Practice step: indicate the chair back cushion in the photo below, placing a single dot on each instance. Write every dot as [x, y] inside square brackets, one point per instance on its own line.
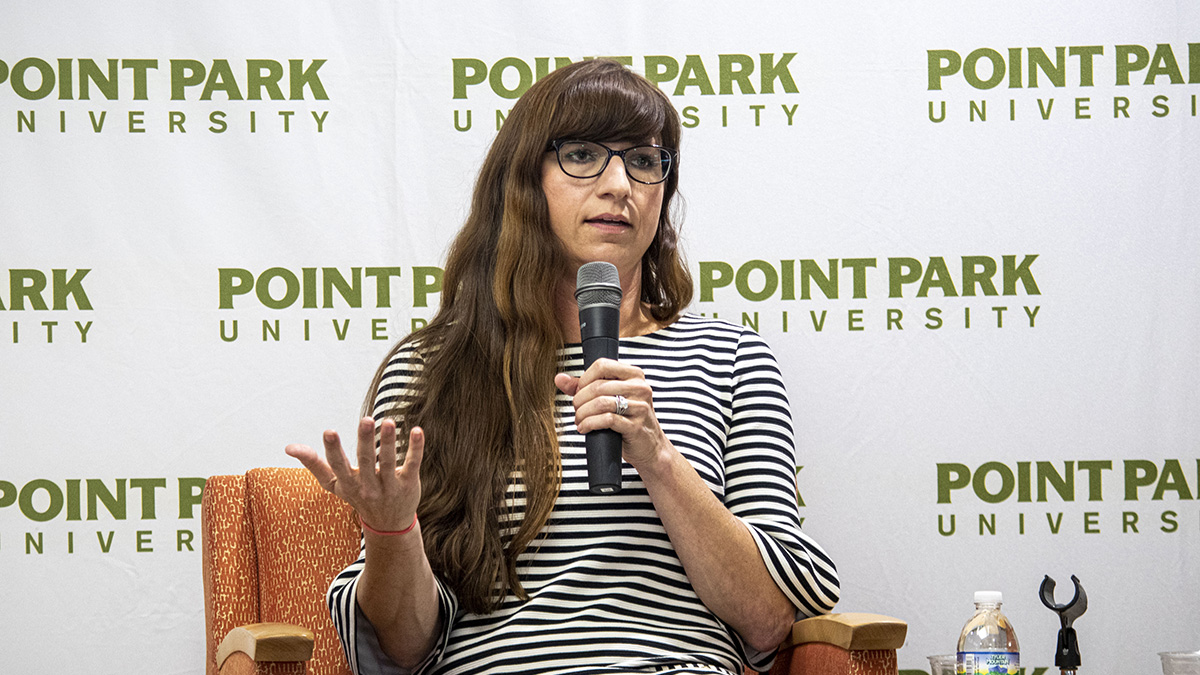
[229, 566]
[303, 536]
[273, 540]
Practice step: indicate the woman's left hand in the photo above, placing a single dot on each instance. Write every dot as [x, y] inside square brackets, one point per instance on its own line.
[730, 579]
[596, 400]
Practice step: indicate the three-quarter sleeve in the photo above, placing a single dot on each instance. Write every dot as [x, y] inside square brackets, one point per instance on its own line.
[360, 643]
[760, 484]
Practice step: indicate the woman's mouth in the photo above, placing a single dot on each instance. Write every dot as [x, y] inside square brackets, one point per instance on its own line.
[608, 221]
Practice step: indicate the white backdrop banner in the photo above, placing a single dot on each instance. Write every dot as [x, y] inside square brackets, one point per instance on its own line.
[968, 231]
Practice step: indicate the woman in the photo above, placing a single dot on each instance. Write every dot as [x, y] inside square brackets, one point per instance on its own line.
[698, 564]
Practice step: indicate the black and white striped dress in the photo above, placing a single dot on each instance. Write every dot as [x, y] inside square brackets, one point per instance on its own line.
[607, 594]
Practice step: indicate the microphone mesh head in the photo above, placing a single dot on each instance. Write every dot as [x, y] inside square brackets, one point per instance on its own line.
[597, 283]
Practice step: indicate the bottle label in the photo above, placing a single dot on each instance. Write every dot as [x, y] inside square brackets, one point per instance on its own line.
[988, 663]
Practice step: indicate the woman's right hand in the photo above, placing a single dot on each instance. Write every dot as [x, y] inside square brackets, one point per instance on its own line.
[384, 495]
[396, 591]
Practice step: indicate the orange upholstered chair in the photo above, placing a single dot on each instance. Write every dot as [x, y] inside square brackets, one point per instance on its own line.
[273, 541]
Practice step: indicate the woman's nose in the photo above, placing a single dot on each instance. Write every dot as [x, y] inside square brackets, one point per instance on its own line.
[614, 178]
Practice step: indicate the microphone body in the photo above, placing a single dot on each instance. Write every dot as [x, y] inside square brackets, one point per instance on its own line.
[598, 294]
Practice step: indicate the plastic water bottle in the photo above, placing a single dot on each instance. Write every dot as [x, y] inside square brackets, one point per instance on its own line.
[988, 644]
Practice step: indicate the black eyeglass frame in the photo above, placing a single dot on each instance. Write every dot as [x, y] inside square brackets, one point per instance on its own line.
[672, 155]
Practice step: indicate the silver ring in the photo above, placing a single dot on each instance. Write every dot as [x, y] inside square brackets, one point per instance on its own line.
[622, 405]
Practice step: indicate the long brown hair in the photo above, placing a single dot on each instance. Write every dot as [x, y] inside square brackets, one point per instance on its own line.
[485, 394]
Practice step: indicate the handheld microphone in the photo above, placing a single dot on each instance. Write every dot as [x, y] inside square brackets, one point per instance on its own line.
[598, 294]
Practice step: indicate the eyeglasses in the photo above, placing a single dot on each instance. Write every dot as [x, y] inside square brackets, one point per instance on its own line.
[648, 164]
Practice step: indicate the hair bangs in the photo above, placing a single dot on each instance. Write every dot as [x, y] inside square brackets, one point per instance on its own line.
[614, 106]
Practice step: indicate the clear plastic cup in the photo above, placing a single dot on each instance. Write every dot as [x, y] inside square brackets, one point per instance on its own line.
[1180, 663]
[942, 664]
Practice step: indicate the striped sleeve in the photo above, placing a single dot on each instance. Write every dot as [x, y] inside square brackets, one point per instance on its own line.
[760, 465]
[360, 642]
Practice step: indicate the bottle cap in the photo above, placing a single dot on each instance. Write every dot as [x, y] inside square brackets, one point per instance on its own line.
[990, 597]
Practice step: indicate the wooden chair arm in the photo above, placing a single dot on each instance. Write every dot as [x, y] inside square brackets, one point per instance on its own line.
[841, 644]
[852, 631]
[267, 642]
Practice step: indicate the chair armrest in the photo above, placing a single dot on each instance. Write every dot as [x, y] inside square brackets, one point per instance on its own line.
[851, 631]
[267, 642]
[841, 644]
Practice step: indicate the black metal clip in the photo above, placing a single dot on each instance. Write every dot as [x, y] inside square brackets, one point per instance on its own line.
[1067, 656]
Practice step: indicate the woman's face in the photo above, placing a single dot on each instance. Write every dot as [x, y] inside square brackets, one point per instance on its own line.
[609, 217]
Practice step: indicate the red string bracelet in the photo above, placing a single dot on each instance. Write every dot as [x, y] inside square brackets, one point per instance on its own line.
[387, 533]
